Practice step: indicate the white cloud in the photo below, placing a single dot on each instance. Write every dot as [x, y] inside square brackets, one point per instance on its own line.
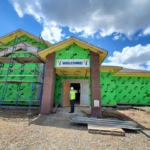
[17, 8]
[117, 37]
[131, 57]
[148, 64]
[52, 33]
[131, 66]
[88, 17]
[146, 31]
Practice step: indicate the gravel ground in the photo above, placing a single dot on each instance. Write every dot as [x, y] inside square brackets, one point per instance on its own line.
[21, 129]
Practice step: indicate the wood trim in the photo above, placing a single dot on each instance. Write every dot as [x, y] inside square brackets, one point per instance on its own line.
[16, 81]
[72, 40]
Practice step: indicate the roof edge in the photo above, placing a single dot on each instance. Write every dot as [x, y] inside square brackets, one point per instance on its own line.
[76, 39]
[6, 35]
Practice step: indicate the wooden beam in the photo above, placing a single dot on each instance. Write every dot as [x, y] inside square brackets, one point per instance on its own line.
[19, 61]
[16, 81]
[23, 59]
[20, 52]
[15, 46]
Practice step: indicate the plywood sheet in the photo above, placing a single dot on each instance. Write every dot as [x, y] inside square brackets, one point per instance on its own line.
[66, 91]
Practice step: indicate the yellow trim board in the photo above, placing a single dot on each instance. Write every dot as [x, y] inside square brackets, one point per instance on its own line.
[134, 74]
[72, 40]
[11, 36]
[111, 69]
[79, 71]
[73, 71]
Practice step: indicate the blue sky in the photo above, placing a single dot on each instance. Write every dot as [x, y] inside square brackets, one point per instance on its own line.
[120, 27]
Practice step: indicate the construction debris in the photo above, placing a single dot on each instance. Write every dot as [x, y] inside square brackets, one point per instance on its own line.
[106, 123]
[55, 108]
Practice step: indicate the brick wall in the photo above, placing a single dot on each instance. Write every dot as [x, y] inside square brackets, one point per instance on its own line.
[49, 85]
[95, 85]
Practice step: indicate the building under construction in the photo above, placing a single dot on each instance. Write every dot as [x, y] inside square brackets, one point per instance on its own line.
[35, 73]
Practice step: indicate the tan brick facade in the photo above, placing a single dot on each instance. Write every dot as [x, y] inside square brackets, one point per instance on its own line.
[95, 85]
[49, 85]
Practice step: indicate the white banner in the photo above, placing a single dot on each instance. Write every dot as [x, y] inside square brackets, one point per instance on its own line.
[73, 63]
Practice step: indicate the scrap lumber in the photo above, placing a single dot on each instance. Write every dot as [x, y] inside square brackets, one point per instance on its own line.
[105, 130]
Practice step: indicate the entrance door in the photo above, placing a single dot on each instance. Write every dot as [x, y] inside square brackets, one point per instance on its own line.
[84, 95]
[66, 91]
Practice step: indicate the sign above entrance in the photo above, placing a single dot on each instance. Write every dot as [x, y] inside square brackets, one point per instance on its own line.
[72, 63]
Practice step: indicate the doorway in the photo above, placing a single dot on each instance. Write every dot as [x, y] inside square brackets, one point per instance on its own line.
[76, 87]
[81, 86]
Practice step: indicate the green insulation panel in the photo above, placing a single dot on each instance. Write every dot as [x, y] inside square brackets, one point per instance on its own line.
[107, 89]
[25, 88]
[132, 90]
[58, 87]
[72, 52]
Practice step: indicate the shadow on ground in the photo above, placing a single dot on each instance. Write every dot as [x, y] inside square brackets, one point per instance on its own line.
[61, 119]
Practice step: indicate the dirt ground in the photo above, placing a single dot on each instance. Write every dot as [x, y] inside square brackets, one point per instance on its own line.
[23, 129]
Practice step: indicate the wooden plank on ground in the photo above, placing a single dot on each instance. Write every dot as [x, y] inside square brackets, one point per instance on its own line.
[105, 130]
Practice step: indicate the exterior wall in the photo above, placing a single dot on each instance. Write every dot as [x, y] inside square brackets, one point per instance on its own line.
[58, 87]
[72, 52]
[114, 90]
[108, 92]
[132, 90]
[124, 90]
[25, 88]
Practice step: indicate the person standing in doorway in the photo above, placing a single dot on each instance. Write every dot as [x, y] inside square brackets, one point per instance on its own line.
[72, 97]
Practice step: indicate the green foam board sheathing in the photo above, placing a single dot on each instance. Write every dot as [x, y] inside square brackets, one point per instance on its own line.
[108, 93]
[132, 90]
[72, 52]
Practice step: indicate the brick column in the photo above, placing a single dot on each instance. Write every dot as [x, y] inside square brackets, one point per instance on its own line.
[95, 85]
[49, 84]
